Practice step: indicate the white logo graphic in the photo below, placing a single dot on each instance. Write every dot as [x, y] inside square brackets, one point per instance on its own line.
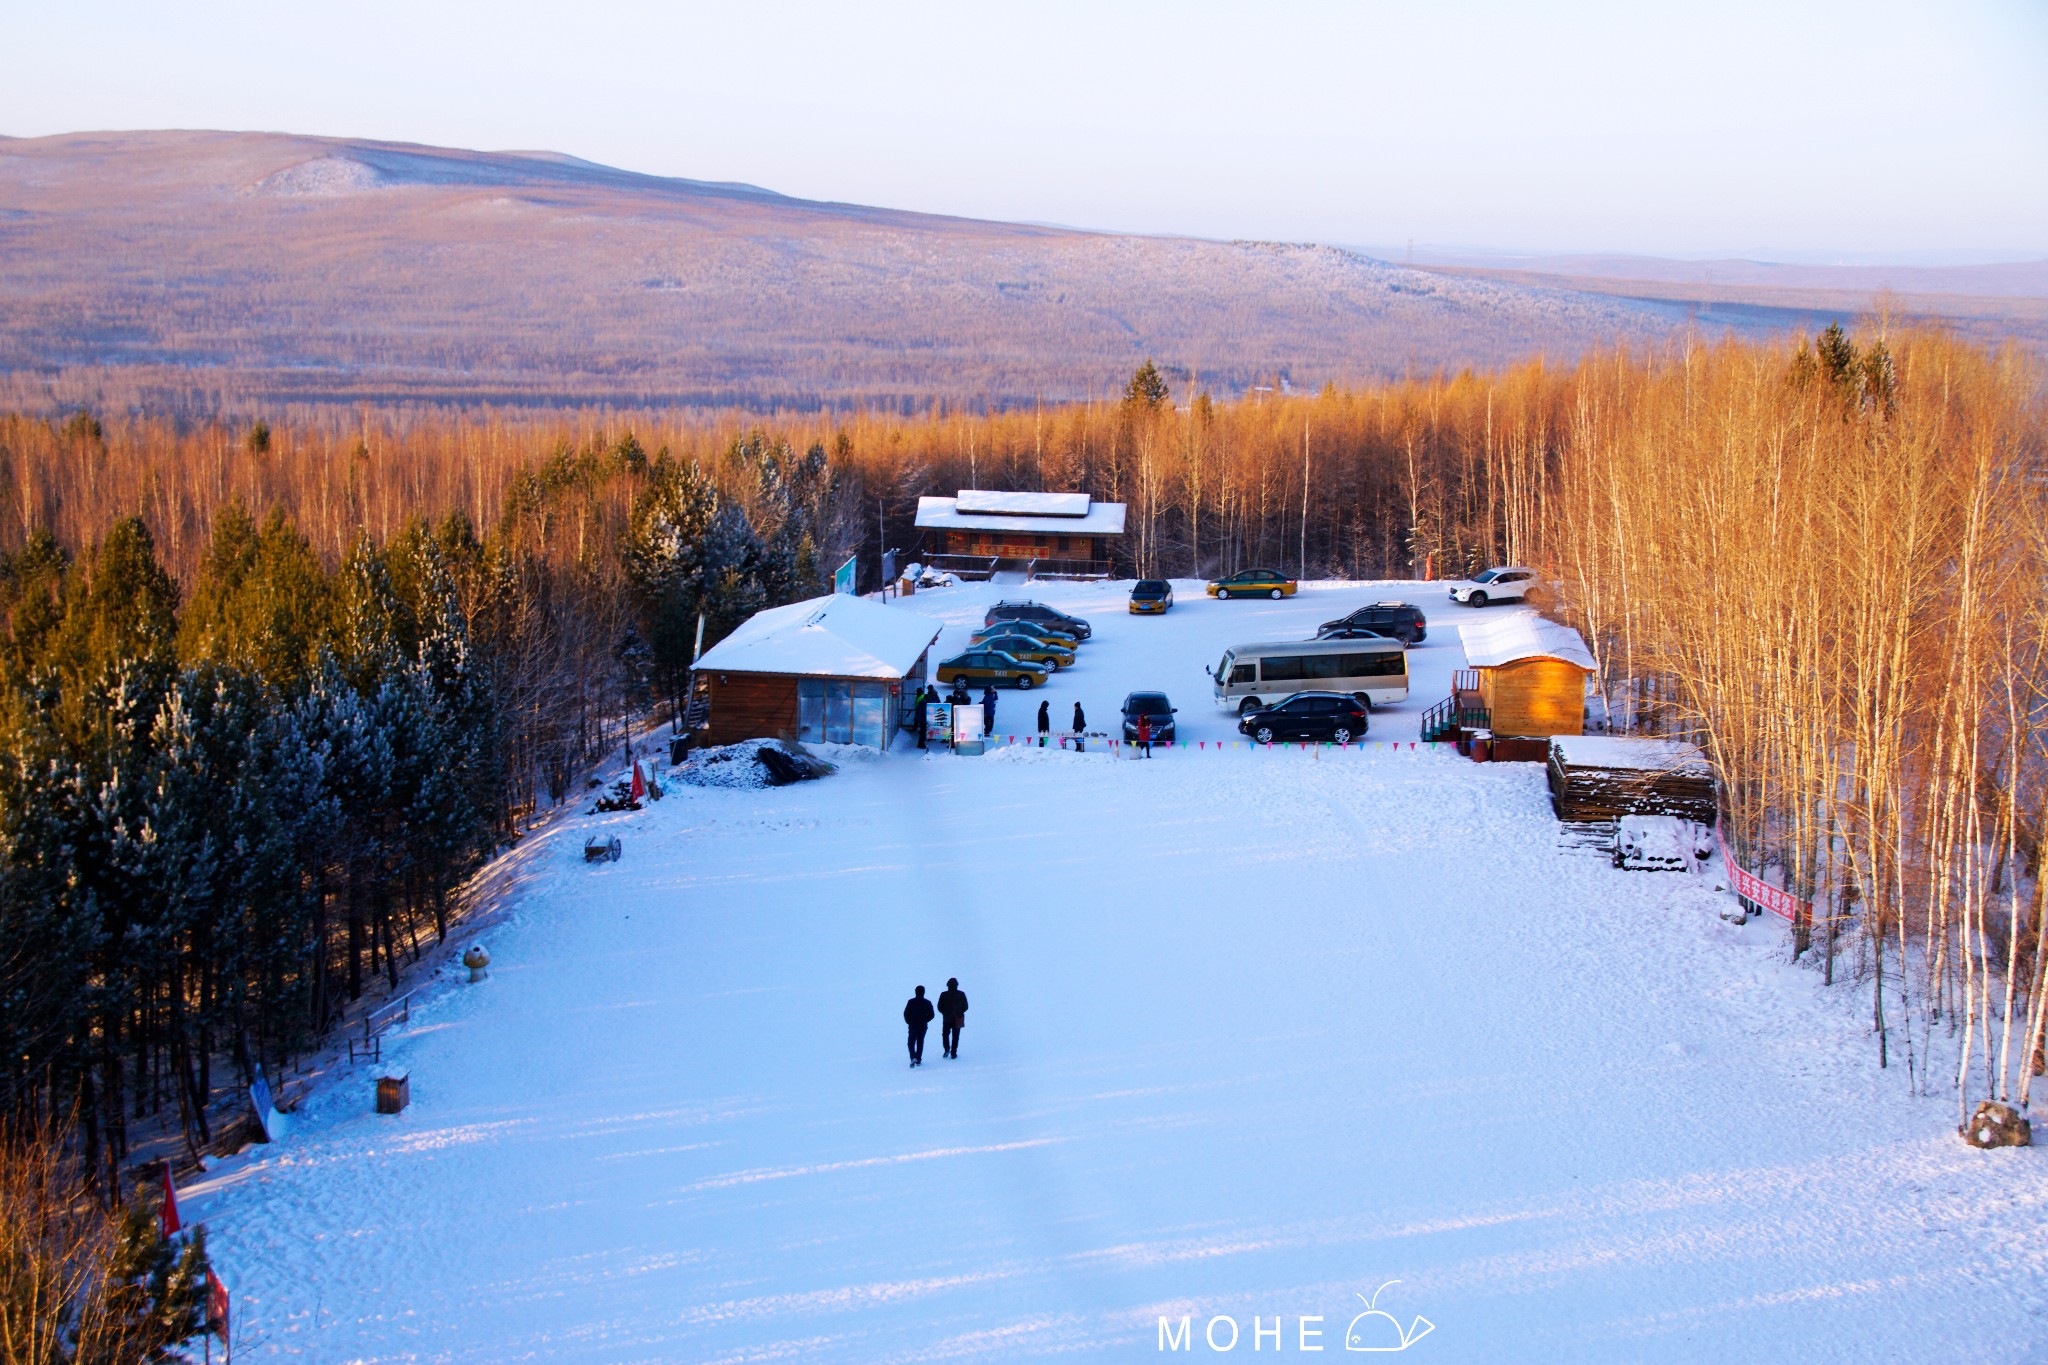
[1375, 1330]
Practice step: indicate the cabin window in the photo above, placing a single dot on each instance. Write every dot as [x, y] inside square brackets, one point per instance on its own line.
[839, 712]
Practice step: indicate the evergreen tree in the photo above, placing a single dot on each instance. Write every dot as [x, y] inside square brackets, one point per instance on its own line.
[1147, 388]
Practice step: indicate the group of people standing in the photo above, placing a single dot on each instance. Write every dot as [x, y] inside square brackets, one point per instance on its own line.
[960, 696]
[952, 1014]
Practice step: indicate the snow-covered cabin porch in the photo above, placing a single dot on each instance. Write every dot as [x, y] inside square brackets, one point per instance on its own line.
[838, 668]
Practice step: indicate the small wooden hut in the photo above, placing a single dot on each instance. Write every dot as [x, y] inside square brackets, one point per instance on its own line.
[1532, 675]
[841, 669]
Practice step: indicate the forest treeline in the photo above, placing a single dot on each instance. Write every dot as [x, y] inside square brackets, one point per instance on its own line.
[1821, 561]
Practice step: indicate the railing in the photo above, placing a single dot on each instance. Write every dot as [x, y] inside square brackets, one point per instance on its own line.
[1462, 710]
[375, 1022]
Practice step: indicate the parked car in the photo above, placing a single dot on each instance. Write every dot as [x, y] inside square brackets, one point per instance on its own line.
[1335, 716]
[1495, 585]
[1039, 613]
[1151, 597]
[1254, 583]
[992, 666]
[1155, 707]
[1066, 639]
[1054, 654]
[1396, 620]
[1359, 633]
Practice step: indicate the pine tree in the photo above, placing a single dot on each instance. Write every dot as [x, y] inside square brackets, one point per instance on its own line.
[1147, 388]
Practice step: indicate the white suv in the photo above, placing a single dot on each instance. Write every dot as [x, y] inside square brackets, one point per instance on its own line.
[1495, 585]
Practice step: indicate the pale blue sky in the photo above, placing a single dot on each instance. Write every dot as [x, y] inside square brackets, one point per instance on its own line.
[1853, 128]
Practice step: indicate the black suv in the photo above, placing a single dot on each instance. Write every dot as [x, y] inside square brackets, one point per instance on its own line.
[1395, 620]
[1153, 706]
[1336, 716]
[1038, 612]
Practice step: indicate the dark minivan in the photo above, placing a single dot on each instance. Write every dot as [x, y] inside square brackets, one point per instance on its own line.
[1394, 620]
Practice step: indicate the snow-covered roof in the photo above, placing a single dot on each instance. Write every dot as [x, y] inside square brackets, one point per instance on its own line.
[985, 500]
[1642, 755]
[840, 636]
[1095, 519]
[1524, 635]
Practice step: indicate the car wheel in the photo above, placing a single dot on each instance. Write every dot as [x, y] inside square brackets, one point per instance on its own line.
[1247, 706]
[1264, 734]
[1222, 594]
[1477, 599]
[1340, 735]
[1024, 681]
[1276, 594]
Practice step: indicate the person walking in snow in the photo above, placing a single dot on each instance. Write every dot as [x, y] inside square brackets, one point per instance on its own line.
[1044, 722]
[988, 709]
[1145, 733]
[952, 1014]
[917, 1012]
[1080, 720]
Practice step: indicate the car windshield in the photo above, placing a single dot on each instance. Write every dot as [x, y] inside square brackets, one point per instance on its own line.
[1147, 704]
[1149, 588]
[1223, 665]
[1487, 577]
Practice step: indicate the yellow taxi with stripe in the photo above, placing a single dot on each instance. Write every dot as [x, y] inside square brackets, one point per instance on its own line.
[1254, 583]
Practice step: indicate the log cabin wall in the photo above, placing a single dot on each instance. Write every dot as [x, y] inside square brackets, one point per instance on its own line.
[1535, 698]
[751, 706]
[1024, 545]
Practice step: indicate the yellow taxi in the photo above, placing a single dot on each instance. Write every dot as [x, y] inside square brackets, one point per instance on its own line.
[984, 665]
[1254, 583]
[1151, 597]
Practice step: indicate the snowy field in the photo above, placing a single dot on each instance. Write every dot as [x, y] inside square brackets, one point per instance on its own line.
[1252, 1033]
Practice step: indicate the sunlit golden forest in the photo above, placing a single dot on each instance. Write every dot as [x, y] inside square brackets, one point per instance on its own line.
[1822, 560]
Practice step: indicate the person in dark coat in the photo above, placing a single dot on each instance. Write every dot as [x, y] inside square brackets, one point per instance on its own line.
[952, 1014]
[988, 709]
[1080, 721]
[1044, 722]
[917, 1012]
[923, 698]
[960, 696]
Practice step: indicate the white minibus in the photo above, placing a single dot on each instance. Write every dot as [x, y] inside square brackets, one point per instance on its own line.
[1248, 674]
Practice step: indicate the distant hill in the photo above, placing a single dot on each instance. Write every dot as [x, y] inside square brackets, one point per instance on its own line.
[196, 268]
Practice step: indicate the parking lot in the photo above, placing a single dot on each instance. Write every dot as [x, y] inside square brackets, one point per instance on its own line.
[1169, 653]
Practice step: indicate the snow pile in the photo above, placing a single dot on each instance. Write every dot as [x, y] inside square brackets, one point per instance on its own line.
[734, 766]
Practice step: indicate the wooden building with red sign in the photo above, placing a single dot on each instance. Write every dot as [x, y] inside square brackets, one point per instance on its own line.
[1071, 530]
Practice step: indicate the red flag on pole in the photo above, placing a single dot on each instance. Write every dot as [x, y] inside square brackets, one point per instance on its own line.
[216, 1307]
[639, 782]
[167, 1217]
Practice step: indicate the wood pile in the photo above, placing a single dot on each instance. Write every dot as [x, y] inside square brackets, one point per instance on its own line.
[1601, 777]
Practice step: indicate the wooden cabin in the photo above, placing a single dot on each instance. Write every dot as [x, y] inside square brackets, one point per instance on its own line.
[1071, 529]
[1531, 675]
[841, 669]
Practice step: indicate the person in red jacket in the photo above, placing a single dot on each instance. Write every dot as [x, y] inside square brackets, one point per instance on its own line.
[917, 1012]
[952, 1014]
[1145, 733]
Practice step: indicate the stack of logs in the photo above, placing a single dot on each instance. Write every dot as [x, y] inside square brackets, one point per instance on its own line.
[1607, 778]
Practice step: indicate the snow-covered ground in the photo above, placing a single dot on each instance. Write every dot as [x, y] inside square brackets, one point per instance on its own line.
[1252, 1033]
